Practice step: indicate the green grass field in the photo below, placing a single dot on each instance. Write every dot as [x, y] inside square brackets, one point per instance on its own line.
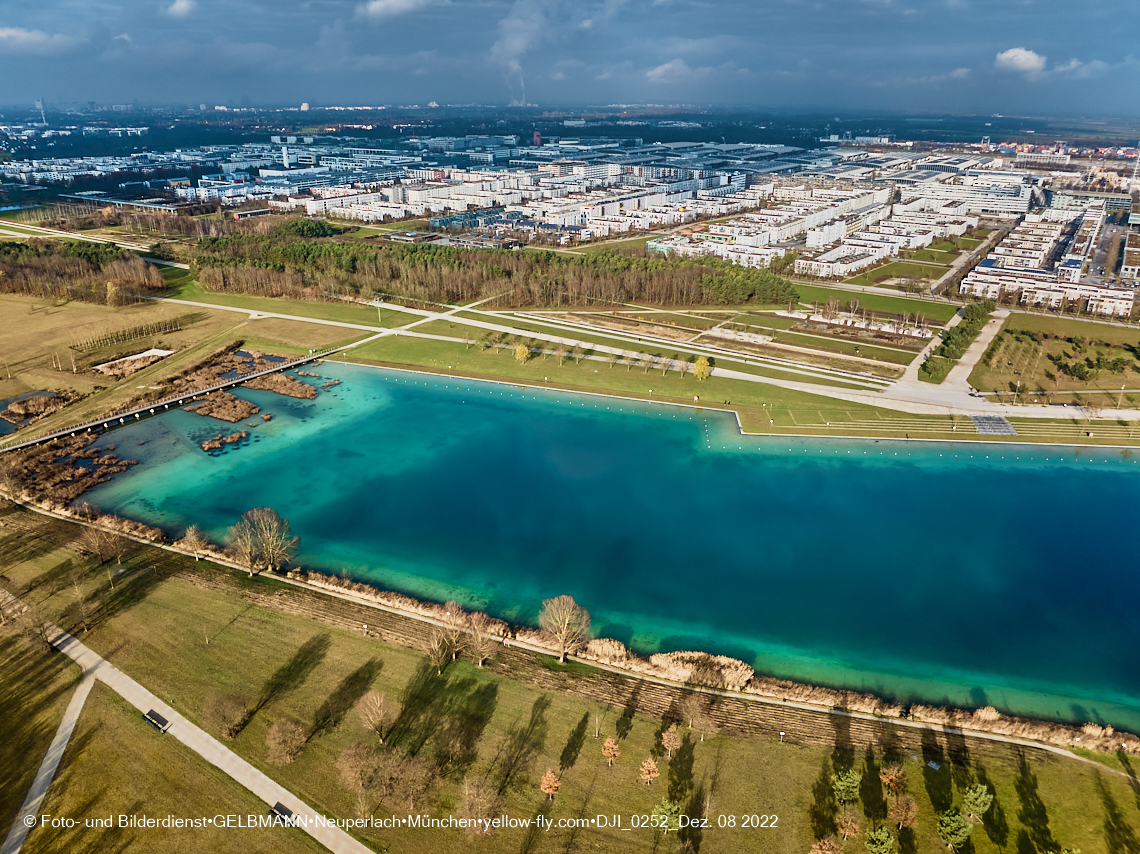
[307, 658]
[184, 289]
[1023, 368]
[614, 245]
[897, 269]
[932, 256]
[932, 309]
[35, 689]
[117, 764]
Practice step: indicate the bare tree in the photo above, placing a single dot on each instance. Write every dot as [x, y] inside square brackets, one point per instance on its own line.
[454, 627]
[482, 641]
[375, 713]
[284, 741]
[242, 542]
[694, 708]
[276, 542]
[358, 767]
[79, 600]
[194, 541]
[35, 628]
[224, 714]
[119, 546]
[599, 716]
[95, 542]
[848, 823]
[1092, 407]
[439, 651]
[903, 811]
[565, 622]
[894, 778]
[826, 846]
[477, 801]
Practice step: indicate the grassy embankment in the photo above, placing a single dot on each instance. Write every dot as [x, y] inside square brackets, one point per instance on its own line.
[117, 764]
[762, 408]
[305, 655]
[456, 329]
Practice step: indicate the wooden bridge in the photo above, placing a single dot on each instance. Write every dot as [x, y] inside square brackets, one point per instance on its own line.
[121, 417]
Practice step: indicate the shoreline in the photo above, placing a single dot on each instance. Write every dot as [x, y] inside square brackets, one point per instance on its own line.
[727, 409]
[1054, 736]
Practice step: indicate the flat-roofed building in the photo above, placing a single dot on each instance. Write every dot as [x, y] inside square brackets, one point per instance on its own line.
[1130, 266]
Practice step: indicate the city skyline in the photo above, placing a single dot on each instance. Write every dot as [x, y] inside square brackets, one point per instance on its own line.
[954, 56]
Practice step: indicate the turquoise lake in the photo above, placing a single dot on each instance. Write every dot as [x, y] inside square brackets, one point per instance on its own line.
[969, 574]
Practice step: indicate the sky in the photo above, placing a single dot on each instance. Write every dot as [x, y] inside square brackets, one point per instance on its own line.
[1025, 57]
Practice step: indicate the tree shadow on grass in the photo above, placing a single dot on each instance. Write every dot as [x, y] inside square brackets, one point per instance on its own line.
[843, 756]
[1118, 833]
[468, 713]
[1033, 815]
[691, 835]
[939, 782]
[907, 842]
[574, 744]
[48, 582]
[292, 674]
[823, 807]
[890, 744]
[534, 831]
[624, 725]
[994, 821]
[524, 741]
[1133, 782]
[344, 697]
[681, 770]
[958, 752]
[581, 815]
[871, 789]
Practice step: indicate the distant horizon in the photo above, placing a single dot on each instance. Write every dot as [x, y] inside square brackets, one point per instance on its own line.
[1048, 58]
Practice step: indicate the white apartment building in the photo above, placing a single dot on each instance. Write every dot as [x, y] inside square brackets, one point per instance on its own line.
[1130, 266]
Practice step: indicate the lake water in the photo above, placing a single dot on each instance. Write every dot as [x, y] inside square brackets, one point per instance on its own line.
[962, 573]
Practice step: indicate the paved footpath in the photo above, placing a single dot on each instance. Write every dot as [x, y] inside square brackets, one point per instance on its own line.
[209, 748]
[35, 799]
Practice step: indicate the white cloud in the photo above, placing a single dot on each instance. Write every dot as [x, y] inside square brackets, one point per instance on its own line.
[17, 40]
[1081, 70]
[123, 36]
[378, 9]
[959, 74]
[669, 72]
[1021, 60]
[181, 8]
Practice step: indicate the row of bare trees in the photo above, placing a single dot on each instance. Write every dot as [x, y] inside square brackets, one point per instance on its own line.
[50, 272]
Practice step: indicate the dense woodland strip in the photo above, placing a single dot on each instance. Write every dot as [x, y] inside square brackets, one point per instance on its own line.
[90, 272]
[291, 263]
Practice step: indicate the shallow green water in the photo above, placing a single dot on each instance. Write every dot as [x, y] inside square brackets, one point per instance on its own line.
[961, 573]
